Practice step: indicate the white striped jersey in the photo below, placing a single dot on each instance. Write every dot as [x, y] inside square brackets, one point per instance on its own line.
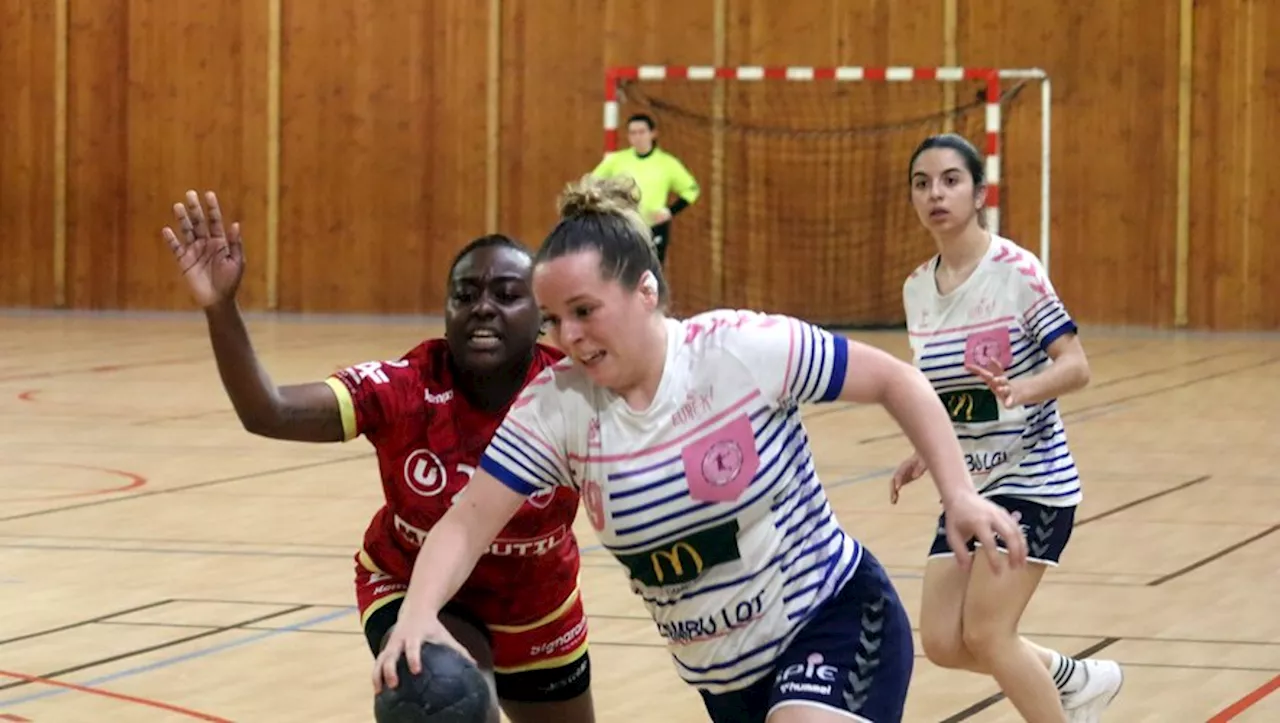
[709, 497]
[1006, 310]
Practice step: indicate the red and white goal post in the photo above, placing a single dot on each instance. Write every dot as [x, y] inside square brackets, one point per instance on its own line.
[615, 77]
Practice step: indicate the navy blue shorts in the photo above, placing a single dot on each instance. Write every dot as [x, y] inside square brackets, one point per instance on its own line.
[853, 657]
[1047, 530]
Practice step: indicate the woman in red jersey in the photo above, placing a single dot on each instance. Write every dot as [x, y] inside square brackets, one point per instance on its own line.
[430, 415]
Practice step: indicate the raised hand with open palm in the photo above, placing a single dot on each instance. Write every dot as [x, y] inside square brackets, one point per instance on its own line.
[210, 257]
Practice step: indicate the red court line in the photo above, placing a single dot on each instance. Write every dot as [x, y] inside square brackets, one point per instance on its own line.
[135, 481]
[100, 369]
[197, 715]
[1247, 702]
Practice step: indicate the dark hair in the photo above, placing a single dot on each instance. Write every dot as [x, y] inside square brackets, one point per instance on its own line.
[972, 159]
[644, 118]
[489, 241]
[598, 214]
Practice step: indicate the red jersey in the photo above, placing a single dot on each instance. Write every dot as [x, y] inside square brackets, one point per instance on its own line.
[429, 440]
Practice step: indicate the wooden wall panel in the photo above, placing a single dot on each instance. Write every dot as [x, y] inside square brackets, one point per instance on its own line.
[383, 148]
[639, 32]
[1234, 264]
[1114, 69]
[26, 153]
[158, 102]
[383, 151]
[552, 84]
[552, 104]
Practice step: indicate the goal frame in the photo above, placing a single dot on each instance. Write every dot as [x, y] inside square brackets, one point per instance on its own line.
[886, 74]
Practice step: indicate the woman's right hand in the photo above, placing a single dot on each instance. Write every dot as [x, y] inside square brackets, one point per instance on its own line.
[909, 471]
[211, 258]
[408, 636]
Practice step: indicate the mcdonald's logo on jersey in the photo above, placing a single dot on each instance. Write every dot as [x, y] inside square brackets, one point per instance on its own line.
[675, 559]
[684, 560]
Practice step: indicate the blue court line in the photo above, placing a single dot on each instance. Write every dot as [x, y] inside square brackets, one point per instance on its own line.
[174, 660]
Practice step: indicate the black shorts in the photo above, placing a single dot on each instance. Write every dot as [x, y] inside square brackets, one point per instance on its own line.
[543, 685]
[1047, 530]
[854, 657]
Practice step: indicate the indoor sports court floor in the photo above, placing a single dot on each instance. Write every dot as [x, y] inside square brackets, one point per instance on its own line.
[157, 563]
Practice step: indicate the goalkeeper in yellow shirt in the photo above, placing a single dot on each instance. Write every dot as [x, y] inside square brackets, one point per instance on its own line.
[658, 175]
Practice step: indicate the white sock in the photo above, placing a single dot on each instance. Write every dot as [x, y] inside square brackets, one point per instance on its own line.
[1068, 674]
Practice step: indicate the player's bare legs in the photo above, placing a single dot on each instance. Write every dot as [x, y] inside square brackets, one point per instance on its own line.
[969, 621]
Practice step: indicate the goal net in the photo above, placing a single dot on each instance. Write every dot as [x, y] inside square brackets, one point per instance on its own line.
[805, 205]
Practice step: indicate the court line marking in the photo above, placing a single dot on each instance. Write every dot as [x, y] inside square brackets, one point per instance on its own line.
[1080, 415]
[174, 541]
[183, 488]
[1033, 634]
[1213, 557]
[661, 646]
[135, 480]
[642, 619]
[1101, 384]
[158, 646]
[193, 655]
[257, 603]
[1247, 702]
[886, 471]
[1143, 500]
[994, 698]
[108, 694]
[82, 623]
[174, 551]
[148, 363]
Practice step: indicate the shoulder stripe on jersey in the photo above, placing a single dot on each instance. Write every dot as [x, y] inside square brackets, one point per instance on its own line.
[1034, 308]
[814, 354]
[516, 456]
[1067, 327]
[555, 456]
[670, 443]
[346, 408]
[505, 476]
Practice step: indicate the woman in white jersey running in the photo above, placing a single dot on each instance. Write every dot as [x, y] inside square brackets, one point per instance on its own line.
[685, 441]
[990, 333]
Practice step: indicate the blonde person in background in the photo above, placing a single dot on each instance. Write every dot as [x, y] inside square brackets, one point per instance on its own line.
[657, 173]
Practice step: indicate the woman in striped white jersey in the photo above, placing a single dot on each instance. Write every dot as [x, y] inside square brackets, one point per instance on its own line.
[685, 441]
[999, 348]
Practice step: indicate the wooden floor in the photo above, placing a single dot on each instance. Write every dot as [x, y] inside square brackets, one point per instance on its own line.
[157, 563]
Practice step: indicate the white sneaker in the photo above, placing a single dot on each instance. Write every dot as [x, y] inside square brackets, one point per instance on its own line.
[1103, 680]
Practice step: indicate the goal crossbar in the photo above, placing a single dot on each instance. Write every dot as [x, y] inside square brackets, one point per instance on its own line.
[888, 74]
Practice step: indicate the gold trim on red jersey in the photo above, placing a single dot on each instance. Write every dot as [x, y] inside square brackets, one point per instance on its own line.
[346, 406]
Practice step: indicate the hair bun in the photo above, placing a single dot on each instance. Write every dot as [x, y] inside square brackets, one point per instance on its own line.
[591, 195]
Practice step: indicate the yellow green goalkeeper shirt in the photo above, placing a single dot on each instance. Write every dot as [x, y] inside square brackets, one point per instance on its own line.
[657, 173]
